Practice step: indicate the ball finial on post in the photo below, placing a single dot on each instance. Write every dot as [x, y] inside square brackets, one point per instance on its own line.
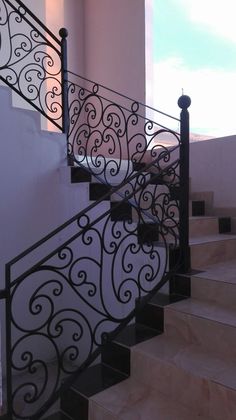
[63, 33]
[184, 102]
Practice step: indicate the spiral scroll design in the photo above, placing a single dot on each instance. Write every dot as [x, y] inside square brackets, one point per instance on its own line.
[63, 308]
[30, 61]
[109, 138]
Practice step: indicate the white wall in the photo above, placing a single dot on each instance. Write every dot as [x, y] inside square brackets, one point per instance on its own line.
[114, 36]
[70, 15]
[212, 168]
[34, 196]
[35, 189]
[149, 52]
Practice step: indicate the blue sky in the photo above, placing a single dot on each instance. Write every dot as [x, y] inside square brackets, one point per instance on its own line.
[195, 49]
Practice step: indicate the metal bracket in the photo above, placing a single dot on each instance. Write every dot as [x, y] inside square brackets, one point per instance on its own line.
[3, 293]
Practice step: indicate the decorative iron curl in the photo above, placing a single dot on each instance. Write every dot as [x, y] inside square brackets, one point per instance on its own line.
[30, 62]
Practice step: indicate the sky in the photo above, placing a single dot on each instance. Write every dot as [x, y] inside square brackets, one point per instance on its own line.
[195, 50]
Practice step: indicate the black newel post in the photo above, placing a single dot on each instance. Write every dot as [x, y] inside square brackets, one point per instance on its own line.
[184, 102]
[64, 82]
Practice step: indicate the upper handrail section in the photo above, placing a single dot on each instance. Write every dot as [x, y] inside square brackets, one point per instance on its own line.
[110, 133]
[31, 60]
[91, 86]
[36, 20]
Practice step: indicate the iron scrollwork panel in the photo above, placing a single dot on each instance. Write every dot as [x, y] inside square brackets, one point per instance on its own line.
[30, 61]
[109, 138]
[62, 310]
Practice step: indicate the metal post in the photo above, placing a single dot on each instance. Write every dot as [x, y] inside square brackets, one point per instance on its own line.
[8, 342]
[64, 82]
[185, 262]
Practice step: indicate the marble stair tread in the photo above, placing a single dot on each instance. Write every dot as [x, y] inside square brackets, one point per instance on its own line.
[174, 360]
[207, 310]
[220, 272]
[206, 324]
[216, 284]
[211, 238]
[206, 250]
[133, 400]
[203, 218]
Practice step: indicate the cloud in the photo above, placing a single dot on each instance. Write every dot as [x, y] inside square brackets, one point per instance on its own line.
[218, 17]
[213, 94]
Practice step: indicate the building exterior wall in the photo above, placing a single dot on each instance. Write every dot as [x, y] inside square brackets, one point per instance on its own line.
[115, 45]
[212, 168]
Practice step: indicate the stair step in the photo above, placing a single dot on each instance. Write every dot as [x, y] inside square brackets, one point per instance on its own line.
[58, 416]
[79, 175]
[211, 249]
[138, 166]
[209, 325]
[185, 373]
[136, 333]
[207, 197]
[75, 401]
[180, 284]
[148, 233]
[152, 315]
[197, 208]
[224, 224]
[205, 226]
[98, 190]
[216, 284]
[121, 211]
[131, 400]
[162, 299]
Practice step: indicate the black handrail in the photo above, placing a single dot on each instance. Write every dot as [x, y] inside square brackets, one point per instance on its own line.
[36, 19]
[121, 95]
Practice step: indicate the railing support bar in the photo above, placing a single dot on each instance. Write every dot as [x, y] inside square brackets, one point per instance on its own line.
[184, 102]
[64, 85]
[8, 355]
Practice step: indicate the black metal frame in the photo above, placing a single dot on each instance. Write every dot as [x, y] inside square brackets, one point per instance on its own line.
[145, 283]
[120, 130]
[107, 128]
[35, 65]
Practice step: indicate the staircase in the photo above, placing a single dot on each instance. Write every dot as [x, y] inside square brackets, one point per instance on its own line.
[98, 312]
[176, 362]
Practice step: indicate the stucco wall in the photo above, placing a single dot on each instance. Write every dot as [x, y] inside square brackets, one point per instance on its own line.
[36, 193]
[106, 41]
[212, 168]
[114, 38]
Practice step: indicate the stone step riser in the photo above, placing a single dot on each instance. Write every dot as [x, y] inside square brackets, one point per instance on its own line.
[203, 396]
[218, 292]
[197, 227]
[204, 254]
[211, 335]
[200, 227]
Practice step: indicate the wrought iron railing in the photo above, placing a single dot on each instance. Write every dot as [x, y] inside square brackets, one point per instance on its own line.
[61, 307]
[31, 59]
[79, 283]
[110, 133]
